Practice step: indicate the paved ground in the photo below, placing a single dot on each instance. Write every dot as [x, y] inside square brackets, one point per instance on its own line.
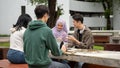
[4, 39]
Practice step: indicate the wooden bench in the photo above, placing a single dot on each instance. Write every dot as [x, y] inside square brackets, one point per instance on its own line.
[6, 64]
[112, 47]
[3, 52]
[4, 39]
[101, 40]
[87, 65]
[3, 49]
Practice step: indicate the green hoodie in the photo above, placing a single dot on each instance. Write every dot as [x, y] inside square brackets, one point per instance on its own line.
[38, 40]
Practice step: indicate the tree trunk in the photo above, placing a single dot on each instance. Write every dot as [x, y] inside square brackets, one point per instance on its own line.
[106, 6]
[52, 12]
[108, 17]
[108, 24]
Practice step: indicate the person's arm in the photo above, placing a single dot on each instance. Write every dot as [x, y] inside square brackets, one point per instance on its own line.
[72, 39]
[85, 43]
[52, 45]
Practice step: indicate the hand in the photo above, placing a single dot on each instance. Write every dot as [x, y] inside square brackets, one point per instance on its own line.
[71, 38]
[59, 39]
[64, 49]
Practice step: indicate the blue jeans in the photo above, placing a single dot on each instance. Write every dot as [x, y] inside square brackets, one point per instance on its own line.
[53, 64]
[16, 57]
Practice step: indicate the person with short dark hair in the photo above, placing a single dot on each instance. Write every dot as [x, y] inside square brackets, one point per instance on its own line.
[15, 53]
[83, 37]
[78, 17]
[39, 40]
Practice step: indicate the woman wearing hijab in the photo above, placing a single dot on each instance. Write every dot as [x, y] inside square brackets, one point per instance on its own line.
[60, 33]
[60, 30]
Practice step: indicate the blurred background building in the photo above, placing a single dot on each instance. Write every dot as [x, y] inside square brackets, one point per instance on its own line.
[93, 13]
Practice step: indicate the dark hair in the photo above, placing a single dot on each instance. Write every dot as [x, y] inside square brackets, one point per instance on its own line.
[40, 10]
[22, 21]
[78, 17]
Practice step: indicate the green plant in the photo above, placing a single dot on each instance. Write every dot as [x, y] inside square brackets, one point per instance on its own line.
[60, 10]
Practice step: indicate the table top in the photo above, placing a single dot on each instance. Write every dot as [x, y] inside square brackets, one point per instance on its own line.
[106, 58]
[95, 53]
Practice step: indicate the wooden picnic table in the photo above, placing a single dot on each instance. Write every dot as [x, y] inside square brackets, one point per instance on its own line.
[105, 58]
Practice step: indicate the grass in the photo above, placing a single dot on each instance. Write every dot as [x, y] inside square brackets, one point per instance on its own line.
[96, 47]
[5, 44]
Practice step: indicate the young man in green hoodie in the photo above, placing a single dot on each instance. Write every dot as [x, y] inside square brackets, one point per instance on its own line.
[38, 40]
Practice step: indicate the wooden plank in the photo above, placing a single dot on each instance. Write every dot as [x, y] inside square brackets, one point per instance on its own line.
[87, 65]
[105, 58]
[3, 52]
[6, 64]
[101, 39]
[4, 39]
[112, 47]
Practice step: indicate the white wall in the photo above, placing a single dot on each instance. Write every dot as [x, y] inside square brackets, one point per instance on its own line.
[92, 22]
[86, 6]
[116, 15]
[95, 21]
[10, 11]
